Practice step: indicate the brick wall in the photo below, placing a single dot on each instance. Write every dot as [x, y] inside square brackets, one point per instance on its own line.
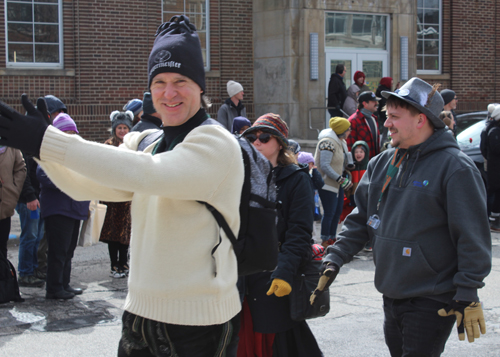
[236, 48]
[106, 49]
[470, 54]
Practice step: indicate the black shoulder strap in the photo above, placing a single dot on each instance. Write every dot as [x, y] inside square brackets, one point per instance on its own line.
[149, 139]
[221, 222]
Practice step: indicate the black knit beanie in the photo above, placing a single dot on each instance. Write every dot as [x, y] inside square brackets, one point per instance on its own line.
[147, 104]
[177, 49]
[448, 95]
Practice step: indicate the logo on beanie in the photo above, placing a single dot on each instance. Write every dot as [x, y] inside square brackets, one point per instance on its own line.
[162, 60]
[162, 56]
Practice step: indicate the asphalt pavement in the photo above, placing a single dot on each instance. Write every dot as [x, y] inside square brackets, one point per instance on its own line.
[90, 324]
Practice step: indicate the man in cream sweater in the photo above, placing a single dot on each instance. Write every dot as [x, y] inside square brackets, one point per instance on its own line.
[180, 300]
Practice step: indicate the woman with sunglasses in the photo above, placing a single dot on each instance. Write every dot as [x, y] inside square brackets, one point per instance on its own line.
[267, 304]
[331, 159]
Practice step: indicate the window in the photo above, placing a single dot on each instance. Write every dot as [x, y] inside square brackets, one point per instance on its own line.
[197, 11]
[429, 36]
[356, 31]
[34, 33]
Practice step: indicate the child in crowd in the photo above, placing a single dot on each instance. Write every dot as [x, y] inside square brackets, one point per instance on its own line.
[316, 181]
[240, 124]
[361, 156]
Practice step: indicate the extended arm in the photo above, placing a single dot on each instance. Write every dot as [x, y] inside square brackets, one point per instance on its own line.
[473, 238]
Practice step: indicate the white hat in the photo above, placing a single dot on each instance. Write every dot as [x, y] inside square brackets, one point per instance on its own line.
[491, 107]
[233, 88]
[495, 115]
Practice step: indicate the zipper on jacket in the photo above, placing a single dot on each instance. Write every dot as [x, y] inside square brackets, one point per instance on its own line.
[403, 173]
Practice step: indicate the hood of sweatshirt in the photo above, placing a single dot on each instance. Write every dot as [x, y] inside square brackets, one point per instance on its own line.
[351, 92]
[360, 143]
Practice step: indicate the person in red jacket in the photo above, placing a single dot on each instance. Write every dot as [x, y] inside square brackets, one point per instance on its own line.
[364, 124]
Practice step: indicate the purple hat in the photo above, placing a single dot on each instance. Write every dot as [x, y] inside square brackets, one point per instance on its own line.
[240, 122]
[64, 122]
[305, 157]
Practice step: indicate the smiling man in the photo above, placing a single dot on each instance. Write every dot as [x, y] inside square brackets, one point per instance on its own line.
[431, 246]
[183, 271]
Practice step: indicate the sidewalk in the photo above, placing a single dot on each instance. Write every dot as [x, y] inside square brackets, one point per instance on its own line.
[90, 324]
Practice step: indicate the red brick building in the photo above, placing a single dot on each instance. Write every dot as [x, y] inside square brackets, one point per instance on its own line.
[93, 53]
[104, 47]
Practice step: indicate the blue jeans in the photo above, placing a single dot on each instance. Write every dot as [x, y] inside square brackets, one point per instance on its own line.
[142, 337]
[332, 209]
[412, 327]
[31, 233]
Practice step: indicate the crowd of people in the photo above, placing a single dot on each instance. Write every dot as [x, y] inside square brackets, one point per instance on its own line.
[396, 198]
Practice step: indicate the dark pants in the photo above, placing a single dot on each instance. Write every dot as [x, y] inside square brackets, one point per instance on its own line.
[43, 247]
[62, 236]
[4, 235]
[336, 113]
[332, 209]
[495, 205]
[143, 337]
[412, 327]
[117, 253]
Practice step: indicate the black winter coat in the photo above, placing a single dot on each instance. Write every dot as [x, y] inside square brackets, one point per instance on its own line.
[31, 186]
[271, 314]
[382, 115]
[337, 92]
[493, 156]
[147, 122]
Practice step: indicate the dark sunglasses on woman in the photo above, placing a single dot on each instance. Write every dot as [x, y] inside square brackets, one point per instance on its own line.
[263, 137]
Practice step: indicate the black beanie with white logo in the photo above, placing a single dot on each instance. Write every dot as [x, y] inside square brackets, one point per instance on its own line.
[177, 49]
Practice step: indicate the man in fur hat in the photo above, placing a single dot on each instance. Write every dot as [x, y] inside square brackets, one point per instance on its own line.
[431, 246]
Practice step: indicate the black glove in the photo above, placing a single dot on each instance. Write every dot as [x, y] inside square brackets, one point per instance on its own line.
[469, 315]
[330, 271]
[24, 132]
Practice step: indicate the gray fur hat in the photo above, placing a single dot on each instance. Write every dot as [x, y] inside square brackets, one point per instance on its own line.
[118, 118]
[422, 96]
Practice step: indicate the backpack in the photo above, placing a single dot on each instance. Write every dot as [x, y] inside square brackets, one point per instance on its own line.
[256, 245]
[9, 289]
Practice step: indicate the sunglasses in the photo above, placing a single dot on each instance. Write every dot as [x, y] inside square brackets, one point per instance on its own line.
[263, 138]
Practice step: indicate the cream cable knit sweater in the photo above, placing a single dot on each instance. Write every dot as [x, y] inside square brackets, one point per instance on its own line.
[173, 276]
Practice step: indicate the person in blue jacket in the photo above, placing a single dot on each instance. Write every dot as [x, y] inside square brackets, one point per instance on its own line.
[62, 216]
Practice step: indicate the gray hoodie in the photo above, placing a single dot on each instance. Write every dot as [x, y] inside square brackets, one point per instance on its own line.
[434, 239]
[351, 102]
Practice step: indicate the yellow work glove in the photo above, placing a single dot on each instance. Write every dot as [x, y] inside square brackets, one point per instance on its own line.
[330, 271]
[279, 288]
[470, 315]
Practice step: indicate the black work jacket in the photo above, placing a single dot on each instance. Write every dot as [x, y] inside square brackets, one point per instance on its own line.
[271, 314]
